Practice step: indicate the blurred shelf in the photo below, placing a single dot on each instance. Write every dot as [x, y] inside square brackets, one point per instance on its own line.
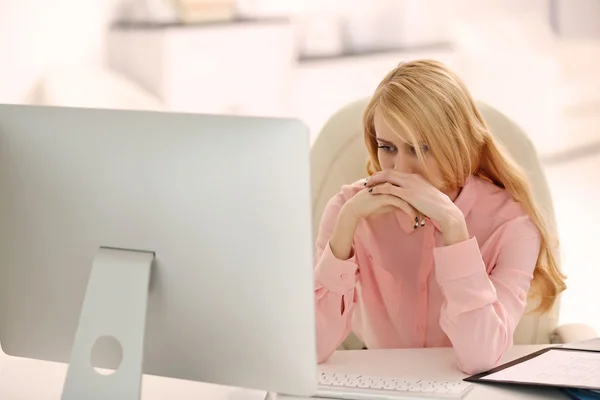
[353, 55]
[252, 68]
[236, 22]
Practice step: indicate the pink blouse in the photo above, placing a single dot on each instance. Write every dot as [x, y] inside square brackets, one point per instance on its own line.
[403, 288]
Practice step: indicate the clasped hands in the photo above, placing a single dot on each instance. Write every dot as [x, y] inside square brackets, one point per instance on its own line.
[415, 195]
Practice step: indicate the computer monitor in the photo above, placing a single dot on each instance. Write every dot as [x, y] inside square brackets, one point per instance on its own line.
[188, 236]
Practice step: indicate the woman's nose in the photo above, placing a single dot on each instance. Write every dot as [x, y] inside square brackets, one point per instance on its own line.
[402, 164]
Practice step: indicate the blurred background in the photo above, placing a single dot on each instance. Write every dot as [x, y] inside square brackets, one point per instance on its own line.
[536, 60]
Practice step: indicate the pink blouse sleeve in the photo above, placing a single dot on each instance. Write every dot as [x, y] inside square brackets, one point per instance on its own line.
[481, 310]
[335, 282]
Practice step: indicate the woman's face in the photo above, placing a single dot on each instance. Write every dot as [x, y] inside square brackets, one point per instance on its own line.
[395, 152]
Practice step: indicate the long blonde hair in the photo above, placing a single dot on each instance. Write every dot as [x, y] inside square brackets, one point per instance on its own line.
[434, 107]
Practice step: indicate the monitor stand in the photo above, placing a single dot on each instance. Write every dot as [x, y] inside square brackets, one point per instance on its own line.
[115, 306]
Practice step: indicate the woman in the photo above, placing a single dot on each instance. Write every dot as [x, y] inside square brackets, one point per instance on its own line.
[440, 245]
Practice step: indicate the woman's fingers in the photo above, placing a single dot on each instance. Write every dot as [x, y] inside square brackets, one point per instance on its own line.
[390, 176]
[401, 204]
[399, 193]
[420, 220]
[388, 188]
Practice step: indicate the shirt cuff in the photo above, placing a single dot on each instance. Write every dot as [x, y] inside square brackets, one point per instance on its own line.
[336, 275]
[463, 278]
[458, 260]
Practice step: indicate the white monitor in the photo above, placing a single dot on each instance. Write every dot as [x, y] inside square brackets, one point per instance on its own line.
[185, 237]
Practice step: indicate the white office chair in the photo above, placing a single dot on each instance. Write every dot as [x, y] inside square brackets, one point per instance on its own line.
[339, 157]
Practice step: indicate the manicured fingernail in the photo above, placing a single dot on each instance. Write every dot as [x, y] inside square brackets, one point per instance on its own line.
[416, 220]
[416, 226]
[423, 223]
[371, 190]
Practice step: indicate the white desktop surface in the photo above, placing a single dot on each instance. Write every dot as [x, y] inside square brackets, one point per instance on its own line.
[23, 379]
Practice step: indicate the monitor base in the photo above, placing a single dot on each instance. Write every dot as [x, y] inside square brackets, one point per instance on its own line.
[114, 306]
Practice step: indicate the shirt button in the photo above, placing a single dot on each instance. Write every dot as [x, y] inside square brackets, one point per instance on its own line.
[345, 277]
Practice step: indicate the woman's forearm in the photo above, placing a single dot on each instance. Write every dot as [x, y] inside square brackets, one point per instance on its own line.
[343, 235]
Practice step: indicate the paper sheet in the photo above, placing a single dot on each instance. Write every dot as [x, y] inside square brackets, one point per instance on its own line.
[555, 367]
[591, 344]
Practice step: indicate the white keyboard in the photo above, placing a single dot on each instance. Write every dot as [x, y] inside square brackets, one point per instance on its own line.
[360, 387]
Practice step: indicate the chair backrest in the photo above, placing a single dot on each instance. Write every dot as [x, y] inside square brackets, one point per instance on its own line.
[339, 156]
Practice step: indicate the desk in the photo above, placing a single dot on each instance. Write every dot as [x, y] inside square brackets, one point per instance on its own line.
[22, 379]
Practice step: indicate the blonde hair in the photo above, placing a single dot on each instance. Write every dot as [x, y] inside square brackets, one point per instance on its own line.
[434, 108]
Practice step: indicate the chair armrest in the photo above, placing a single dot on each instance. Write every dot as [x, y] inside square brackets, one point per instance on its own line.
[569, 333]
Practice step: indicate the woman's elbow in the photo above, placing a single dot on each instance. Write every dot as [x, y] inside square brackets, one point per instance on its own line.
[323, 355]
[325, 346]
[477, 364]
[476, 368]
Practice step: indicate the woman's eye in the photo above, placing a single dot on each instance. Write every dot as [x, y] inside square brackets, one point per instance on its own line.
[413, 151]
[386, 148]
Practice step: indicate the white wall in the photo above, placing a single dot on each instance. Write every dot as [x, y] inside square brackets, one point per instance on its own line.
[578, 19]
[40, 35]
[488, 8]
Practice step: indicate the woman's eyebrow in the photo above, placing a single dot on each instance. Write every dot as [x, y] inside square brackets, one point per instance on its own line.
[385, 141]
